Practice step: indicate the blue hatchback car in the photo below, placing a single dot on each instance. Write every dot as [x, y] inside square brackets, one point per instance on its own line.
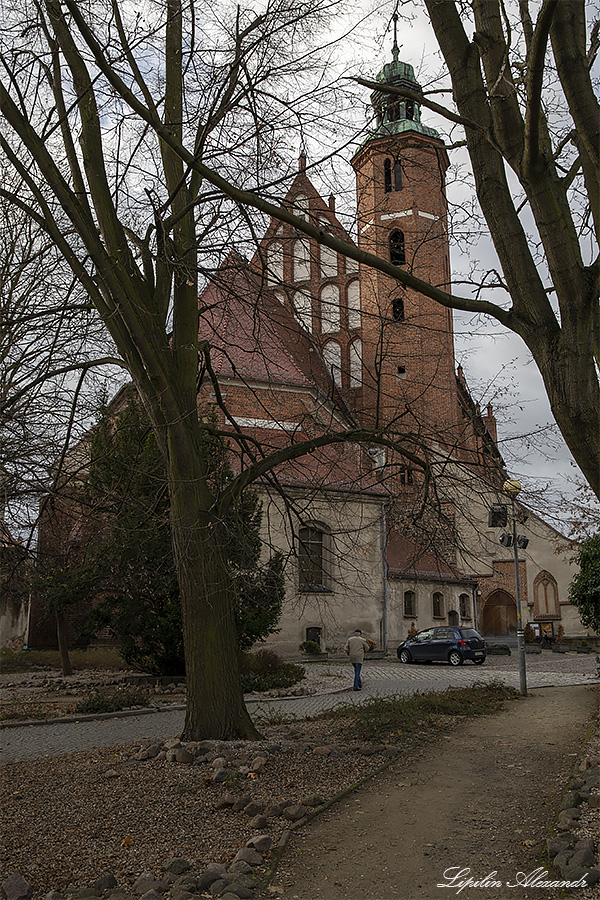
[445, 643]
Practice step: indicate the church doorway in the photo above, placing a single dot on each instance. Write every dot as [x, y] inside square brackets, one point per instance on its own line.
[453, 617]
[499, 615]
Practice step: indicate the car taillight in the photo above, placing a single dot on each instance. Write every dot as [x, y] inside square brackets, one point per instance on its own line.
[462, 643]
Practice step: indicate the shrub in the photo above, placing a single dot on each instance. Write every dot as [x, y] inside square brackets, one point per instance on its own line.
[263, 662]
[310, 647]
[287, 675]
[105, 702]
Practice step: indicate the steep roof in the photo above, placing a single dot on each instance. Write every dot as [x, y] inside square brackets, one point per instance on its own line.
[407, 559]
[255, 337]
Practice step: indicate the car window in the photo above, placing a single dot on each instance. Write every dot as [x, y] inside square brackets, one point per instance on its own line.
[444, 634]
[469, 633]
[424, 636]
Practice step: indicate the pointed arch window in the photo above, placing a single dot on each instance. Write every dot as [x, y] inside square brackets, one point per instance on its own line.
[397, 251]
[332, 354]
[545, 597]
[354, 304]
[330, 308]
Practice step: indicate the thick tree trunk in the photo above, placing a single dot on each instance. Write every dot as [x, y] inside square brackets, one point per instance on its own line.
[61, 637]
[215, 701]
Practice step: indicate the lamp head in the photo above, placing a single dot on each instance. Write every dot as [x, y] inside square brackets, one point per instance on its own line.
[512, 487]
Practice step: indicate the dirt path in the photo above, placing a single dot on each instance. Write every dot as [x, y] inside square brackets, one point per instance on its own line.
[483, 798]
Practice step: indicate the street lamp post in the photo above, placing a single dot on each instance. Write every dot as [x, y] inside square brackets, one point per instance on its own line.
[512, 487]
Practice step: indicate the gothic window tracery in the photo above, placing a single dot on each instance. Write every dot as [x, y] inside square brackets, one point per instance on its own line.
[545, 597]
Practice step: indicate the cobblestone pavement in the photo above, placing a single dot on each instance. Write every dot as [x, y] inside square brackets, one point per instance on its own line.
[332, 680]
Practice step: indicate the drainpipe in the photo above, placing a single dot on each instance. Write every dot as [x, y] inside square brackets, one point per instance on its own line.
[475, 607]
[384, 618]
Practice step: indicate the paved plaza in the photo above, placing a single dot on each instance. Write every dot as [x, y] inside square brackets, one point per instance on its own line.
[331, 683]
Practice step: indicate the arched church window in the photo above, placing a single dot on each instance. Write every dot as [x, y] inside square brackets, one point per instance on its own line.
[438, 605]
[354, 304]
[330, 308]
[398, 309]
[275, 263]
[464, 604]
[397, 252]
[545, 597]
[356, 364]
[301, 257]
[410, 604]
[387, 176]
[303, 309]
[328, 262]
[314, 557]
[301, 207]
[332, 354]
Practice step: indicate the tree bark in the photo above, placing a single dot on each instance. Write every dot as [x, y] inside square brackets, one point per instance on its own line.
[61, 637]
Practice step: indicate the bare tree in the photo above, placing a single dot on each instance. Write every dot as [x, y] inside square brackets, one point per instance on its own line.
[156, 148]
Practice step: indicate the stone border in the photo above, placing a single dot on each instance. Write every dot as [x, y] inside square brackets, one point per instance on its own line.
[265, 879]
[573, 858]
[90, 717]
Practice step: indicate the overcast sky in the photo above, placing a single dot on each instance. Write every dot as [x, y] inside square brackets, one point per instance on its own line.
[498, 366]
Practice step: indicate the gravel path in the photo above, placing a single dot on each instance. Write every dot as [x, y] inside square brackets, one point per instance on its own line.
[70, 816]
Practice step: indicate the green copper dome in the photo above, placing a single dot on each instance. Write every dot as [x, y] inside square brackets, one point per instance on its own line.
[395, 114]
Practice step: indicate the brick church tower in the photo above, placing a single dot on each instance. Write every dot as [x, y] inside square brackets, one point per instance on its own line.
[408, 350]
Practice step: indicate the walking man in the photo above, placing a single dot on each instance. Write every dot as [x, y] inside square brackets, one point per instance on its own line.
[355, 648]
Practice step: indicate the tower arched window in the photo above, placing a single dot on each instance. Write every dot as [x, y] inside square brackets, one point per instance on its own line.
[397, 251]
[354, 304]
[410, 109]
[387, 176]
[330, 308]
[397, 176]
[398, 309]
[332, 354]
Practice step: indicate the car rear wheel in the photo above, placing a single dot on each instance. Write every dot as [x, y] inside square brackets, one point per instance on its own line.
[405, 656]
[454, 658]
[479, 662]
